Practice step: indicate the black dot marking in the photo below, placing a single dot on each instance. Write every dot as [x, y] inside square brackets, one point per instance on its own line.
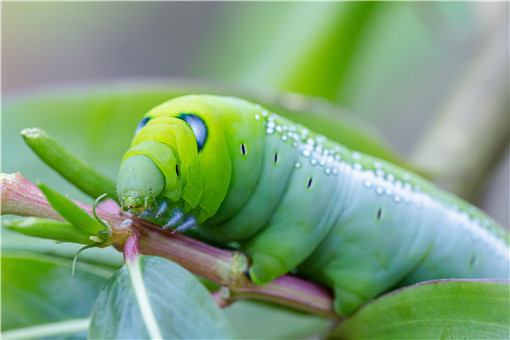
[309, 183]
[177, 169]
[276, 157]
[379, 214]
[247, 274]
[472, 261]
[243, 149]
[198, 126]
[142, 123]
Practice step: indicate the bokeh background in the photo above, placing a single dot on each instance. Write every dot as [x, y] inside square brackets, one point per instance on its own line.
[397, 65]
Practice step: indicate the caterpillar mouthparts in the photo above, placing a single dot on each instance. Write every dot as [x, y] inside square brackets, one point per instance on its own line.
[158, 212]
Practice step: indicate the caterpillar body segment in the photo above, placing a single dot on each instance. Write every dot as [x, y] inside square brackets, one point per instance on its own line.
[294, 199]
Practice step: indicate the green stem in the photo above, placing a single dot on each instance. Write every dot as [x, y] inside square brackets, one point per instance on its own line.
[73, 169]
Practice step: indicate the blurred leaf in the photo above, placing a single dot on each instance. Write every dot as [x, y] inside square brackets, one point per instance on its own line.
[156, 298]
[252, 319]
[39, 289]
[302, 47]
[446, 309]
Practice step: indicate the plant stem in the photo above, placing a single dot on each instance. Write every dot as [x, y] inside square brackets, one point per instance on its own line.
[224, 267]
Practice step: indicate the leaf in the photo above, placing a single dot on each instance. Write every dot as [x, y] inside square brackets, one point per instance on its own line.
[39, 289]
[82, 175]
[442, 309]
[154, 297]
[71, 212]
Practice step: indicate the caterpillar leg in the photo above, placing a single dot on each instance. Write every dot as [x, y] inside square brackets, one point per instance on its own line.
[175, 217]
[189, 222]
[162, 208]
[293, 233]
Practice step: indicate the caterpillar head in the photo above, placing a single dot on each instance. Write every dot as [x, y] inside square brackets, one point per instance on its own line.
[179, 160]
[157, 172]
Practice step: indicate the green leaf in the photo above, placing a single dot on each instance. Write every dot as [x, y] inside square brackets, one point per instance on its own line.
[39, 289]
[72, 168]
[442, 309]
[153, 298]
[49, 229]
[320, 42]
[71, 212]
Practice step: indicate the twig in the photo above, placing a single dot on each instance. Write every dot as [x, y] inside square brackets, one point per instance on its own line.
[224, 267]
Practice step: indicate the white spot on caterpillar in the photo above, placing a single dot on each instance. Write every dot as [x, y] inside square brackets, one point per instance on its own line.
[257, 116]
[335, 171]
[357, 167]
[390, 177]
[377, 165]
[398, 184]
[279, 129]
[418, 204]
[396, 199]
[264, 113]
[271, 124]
[379, 191]
[367, 184]
[284, 138]
[297, 165]
[306, 152]
[269, 131]
[379, 173]
[313, 161]
[356, 155]
[327, 171]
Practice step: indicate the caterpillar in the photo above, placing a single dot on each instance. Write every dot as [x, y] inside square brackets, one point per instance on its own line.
[295, 200]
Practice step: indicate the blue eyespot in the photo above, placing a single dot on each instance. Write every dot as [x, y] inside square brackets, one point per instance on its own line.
[198, 126]
[142, 124]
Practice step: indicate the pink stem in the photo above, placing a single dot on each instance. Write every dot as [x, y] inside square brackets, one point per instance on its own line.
[224, 267]
[131, 248]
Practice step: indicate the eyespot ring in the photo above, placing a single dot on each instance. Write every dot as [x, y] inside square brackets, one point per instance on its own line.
[142, 123]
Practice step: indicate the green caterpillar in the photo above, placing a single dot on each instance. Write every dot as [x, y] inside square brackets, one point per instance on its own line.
[296, 200]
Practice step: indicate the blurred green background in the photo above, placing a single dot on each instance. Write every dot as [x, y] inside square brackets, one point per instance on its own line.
[397, 65]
